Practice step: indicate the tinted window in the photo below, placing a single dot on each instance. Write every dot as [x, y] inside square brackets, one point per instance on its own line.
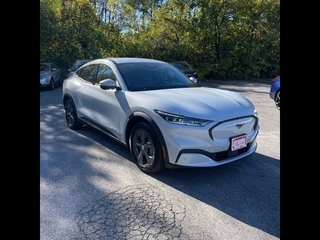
[79, 63]
[151, 76]
[105, 72]
[44, 67]
[88, 73]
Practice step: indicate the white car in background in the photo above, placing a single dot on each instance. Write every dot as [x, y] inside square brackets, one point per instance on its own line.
[165, 119]
[50, 76]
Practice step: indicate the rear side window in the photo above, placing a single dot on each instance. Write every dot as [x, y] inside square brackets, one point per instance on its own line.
[88, 73]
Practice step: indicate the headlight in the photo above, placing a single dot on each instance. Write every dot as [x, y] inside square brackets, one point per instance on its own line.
[182, 120]
[44, 78]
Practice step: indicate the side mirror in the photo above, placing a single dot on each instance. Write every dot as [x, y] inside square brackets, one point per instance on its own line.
[193, 79]
[108, 84]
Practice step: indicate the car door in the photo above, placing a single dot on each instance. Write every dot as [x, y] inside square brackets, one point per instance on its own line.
[86, 77]
[105, 104]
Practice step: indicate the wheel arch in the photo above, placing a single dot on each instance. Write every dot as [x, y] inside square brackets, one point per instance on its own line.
[65, 98]
[275, 94]
[137, 117]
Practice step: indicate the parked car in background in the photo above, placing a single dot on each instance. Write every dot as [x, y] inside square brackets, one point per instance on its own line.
[274, 92]
[186, 68]
[163, 117]
[77, 64]
[50, 75]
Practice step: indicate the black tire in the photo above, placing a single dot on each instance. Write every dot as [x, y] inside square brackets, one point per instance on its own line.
[52, 85]
[71, 115]
[145, 148]
[277, 100]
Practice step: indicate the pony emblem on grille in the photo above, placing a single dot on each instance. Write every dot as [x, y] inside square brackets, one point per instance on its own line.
[239, 126]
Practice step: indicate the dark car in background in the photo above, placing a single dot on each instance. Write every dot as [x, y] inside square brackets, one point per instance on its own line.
[50, 76]
[274, 92]
[77, 64]
[186, 68]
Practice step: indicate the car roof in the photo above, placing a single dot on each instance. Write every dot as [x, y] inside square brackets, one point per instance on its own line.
[120, 60]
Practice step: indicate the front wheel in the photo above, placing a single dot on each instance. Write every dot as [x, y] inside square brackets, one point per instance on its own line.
[51, 85]
[145, 149]
[71, 115]
[277, 100]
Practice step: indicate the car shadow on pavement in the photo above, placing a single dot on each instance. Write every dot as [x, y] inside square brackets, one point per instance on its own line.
[247, 189]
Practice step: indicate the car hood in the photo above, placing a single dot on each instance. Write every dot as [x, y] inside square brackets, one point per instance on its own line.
[201, 102]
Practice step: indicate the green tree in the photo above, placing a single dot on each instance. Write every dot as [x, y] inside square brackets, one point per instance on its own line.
[221, 38]
[49, 30]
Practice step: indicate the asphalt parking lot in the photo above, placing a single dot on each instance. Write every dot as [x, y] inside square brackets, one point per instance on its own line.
[91, 189]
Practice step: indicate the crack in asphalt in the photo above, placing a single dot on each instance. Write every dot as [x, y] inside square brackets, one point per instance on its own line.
[133, 212]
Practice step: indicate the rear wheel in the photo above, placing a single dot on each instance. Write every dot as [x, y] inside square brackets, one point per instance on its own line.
[145, 148]
[71, 115]
[277, 100]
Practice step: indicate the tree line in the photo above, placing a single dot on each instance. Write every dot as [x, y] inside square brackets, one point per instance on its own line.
[222, 39]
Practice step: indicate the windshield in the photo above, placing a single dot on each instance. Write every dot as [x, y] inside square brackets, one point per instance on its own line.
[151, 76]
[44, 67]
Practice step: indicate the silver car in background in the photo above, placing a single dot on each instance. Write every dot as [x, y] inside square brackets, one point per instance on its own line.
[50, 76]
[164, 118]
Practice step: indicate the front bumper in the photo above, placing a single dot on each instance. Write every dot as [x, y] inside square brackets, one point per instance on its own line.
[210, 145]
[44, 81]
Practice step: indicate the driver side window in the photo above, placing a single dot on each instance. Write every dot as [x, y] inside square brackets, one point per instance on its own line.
[104, 72]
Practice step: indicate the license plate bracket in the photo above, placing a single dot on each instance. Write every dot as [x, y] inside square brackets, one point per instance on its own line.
[238, 142]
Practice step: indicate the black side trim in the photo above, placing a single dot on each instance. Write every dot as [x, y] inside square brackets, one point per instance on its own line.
[101, 128]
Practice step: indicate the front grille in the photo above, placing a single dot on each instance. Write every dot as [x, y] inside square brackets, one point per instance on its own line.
[228, 129]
